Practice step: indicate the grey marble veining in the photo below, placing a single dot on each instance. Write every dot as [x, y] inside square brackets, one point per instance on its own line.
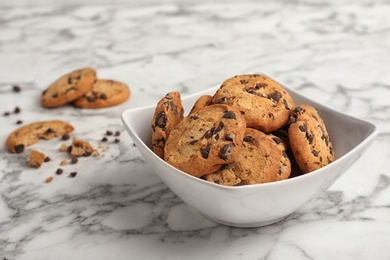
[335, 52]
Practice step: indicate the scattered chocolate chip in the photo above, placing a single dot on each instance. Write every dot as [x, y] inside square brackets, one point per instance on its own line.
[19, 122]
[65, 137]
[74, 160]
[117, 133]
[161, 120]
[73, 174]
[16, 89]
[17, 110]
[69, 149]
[205, 151]
[229, 115]
[104, 139]
[6, 113]
[117, 140]
[108, 132]
[47, 159]
[225, 151]
[103, 96]
[19, 148]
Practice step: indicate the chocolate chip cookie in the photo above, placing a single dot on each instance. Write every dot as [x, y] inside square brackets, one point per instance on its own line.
[104, 93]
[309, 139]
[262, 159]
[205, 140]
[263, 102]
[168, 113]
[68, 87]
[31, 133]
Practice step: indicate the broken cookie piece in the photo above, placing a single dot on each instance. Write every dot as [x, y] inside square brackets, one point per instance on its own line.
[80, 148]
[36, 159]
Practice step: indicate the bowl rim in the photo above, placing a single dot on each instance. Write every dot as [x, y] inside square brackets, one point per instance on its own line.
[373, 133]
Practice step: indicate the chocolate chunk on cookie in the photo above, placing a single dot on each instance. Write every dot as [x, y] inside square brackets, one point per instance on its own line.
[104, 93]
[203, 101]
[309, 139]
[262, 159]
[68, 87]
[31, 133]
[205, 140]
[168, 113]
[263, 102]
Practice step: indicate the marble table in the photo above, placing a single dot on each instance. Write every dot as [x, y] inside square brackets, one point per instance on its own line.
[337, 53]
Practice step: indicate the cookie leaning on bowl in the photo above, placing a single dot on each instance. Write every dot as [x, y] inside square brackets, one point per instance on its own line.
[310, 142]
[68, 87]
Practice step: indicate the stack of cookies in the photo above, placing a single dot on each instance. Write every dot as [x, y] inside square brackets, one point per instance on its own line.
[83, 89]
[249, 132]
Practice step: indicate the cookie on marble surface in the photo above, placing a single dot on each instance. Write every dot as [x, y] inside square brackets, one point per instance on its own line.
[80, 148]
[36, 159]
[262, 159]
[205, 140]
[263, 102]
[201, 102]
[104, 93]
[310, 142]
[31, 133]
[68, 87]
[168, 113]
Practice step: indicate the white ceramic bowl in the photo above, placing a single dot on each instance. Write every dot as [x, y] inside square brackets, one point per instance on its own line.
[260, 204]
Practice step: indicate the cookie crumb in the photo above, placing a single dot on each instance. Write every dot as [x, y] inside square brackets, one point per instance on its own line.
[48, 179]
[63, 163]
[80, 148]
[63, 148]
[95, 153]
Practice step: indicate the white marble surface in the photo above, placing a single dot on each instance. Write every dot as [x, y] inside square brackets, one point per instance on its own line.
[115, 208]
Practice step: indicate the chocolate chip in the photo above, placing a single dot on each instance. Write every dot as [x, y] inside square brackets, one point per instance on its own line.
[286, 104]
[260, 85]
[277, 140]
[16, 89]
[309, 137]
[65, 137]
[205, 151]
[216, 137]
[19, 148]
[229, 137]
[103, 96]
[17, 110]
[71, 89]
[275, 96]
[49, 131]
[314, 152]
[55, 95]
[292, 120]
[225, 151]
[47, 159]
[243, 81]
[248, 139]
[73, 174]
[193, 142]
[91, 99]
[59, 171]
[285, 155]
[19, 122]
[6, 113]
[161, 120]
[194, 117]
[117, 140]
[69, 149]
[229, 115]
[104, 139]
[303, 128]
[298, 110]
[108, 132]
[69, 79]
[117, 133]
[74, 160]
[219, 127]
[209, 133]
[44, 92]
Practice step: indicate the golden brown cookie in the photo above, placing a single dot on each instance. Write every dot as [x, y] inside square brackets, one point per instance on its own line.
[205, 140]
[168, 113]
[36, 159]
[263, 102]
[104, 93]
[31, 133]
[80, 148]
[203, 101]
[68, 87]
[262, 159]
[309, 139]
